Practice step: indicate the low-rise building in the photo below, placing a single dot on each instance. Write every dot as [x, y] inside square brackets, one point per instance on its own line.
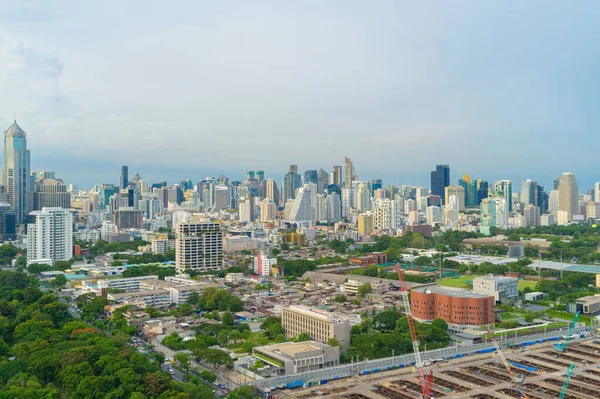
[299, 357]
[588, 304]
[534, 296]
[373, 258]
[319, 324]
[234, 278]
[461, 309]
[500, 287]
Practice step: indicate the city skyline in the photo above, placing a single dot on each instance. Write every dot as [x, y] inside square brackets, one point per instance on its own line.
[415, 85]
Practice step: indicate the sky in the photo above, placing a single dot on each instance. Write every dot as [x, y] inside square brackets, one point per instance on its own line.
[189, 89]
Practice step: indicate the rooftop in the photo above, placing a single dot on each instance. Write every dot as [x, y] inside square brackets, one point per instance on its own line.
[450, 291]
[589, 299]
[289, 350]
[495, 278]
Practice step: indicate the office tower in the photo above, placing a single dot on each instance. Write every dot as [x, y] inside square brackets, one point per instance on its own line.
[529, 193]
[124, 177]
[391, 191]
[16, 177]
[379, 193]
[568, 194]
[198, 246]
[349, 173]
[50, 192]
[8, 222]
[434, 200]
[502, 213]
[321, 208]
[334, 208]
[222, 199]
[260, 175]
[311, 176]
[597, 192]
[291, 182]
[542, 200]
[503, 189]
[440, 179]
[592, 210]
[413, 218]
[421, 198]
[433, 214]
[247, 209]
[301, 212]
[488, 215]
[127, 217]
[363, 197]
[322, 181]
[459, 191]
[348, 199]
[376, 184]
[365, 223]
[451, 212]
[104, 193]
[273, 190]
[250, 175]
[553, 201]
[268, 210]
[50, 235]
[150, 206]
[532, 215]
[336, 176]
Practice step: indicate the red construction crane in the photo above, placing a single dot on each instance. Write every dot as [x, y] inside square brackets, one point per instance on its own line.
[506, 364]
[426, 380]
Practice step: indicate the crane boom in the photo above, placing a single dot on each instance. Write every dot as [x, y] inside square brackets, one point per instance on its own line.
[523, 396]
[562, 347]
[501, 355]
[563, 391]
[426, 380]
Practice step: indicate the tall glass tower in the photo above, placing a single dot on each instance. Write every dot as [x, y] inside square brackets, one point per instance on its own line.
[16, 178]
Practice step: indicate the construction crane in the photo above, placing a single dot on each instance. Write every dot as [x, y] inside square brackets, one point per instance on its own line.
[523, 396]
[563, 391]
[426, 380]
[506, 364]
[562, 347]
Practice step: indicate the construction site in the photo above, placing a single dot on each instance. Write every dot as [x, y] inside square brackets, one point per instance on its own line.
[542, 373]
[558, 366]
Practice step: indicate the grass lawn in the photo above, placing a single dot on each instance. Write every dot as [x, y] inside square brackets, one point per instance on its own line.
[458, 282]
[525, 283]
[569, 316]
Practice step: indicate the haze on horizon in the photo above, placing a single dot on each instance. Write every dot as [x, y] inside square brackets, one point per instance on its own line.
[499, 91]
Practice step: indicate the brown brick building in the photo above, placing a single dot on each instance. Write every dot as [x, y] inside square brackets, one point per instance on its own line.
[374, 258]
[461, 309]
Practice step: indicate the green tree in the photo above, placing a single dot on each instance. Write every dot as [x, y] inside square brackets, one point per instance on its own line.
[227, 318]
[183, 359]
[386, 320]
[335, 342]
[364, 289]
[208, 376]
[217, 358]
[244, 392]
[59, 281]
[303, 336]
[341, 298]
[441, 324]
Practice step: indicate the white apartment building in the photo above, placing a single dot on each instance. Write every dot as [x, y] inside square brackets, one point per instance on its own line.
[387, 214]
[199, 246]
[500, 287]
[263, 264]
[51, 235]
[234, 278]
[160, 246]
[320, 325]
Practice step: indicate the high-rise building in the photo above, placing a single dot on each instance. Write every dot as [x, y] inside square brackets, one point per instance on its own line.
[50, 235]
[488, 215]
[348, 199]
[273, 190]
[50, 192]
[127, 217]
[322, 181]
[553, 200]
[363, 197]
[17, 171]
[301, 212]
[336, 176]
[268, 210]
[8, 222]
[387, 214]
[532, 215]
[349, 173]
[334, 208]
[433, 214]
[458, 191]
[440, 179]
[503, 189]
[597, 192]
[311, 176]
[568, 193]
[263, 264]
[365, 223]
[199, 246]
[451, 212]
[291, 182]
[124, 177]
[247, 209]
[528, 194]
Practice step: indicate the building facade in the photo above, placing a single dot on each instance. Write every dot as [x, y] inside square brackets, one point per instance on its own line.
[199, 246]
[17, 171]
[50, 235]
[500, 287]
[320, 325]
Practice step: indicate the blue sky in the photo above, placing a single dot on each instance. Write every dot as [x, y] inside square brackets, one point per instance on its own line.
[499, 90]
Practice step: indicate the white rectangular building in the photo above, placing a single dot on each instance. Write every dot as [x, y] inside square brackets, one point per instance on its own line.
[51, 235]
[500, 287]
[263, 264]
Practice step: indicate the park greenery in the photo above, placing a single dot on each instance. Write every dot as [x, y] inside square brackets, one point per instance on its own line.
[45, 353]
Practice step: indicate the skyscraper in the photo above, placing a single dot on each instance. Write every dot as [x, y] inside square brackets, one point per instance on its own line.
[529, 193]
[311, 176]
[50, 192]
[16, 178]
[198, 246]
[349, 175]
[568, 195]
[322, 181]
[291, 182]
[503, 189]
[273, 190]
[336, 176]
[124, 177]
[440, 179]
